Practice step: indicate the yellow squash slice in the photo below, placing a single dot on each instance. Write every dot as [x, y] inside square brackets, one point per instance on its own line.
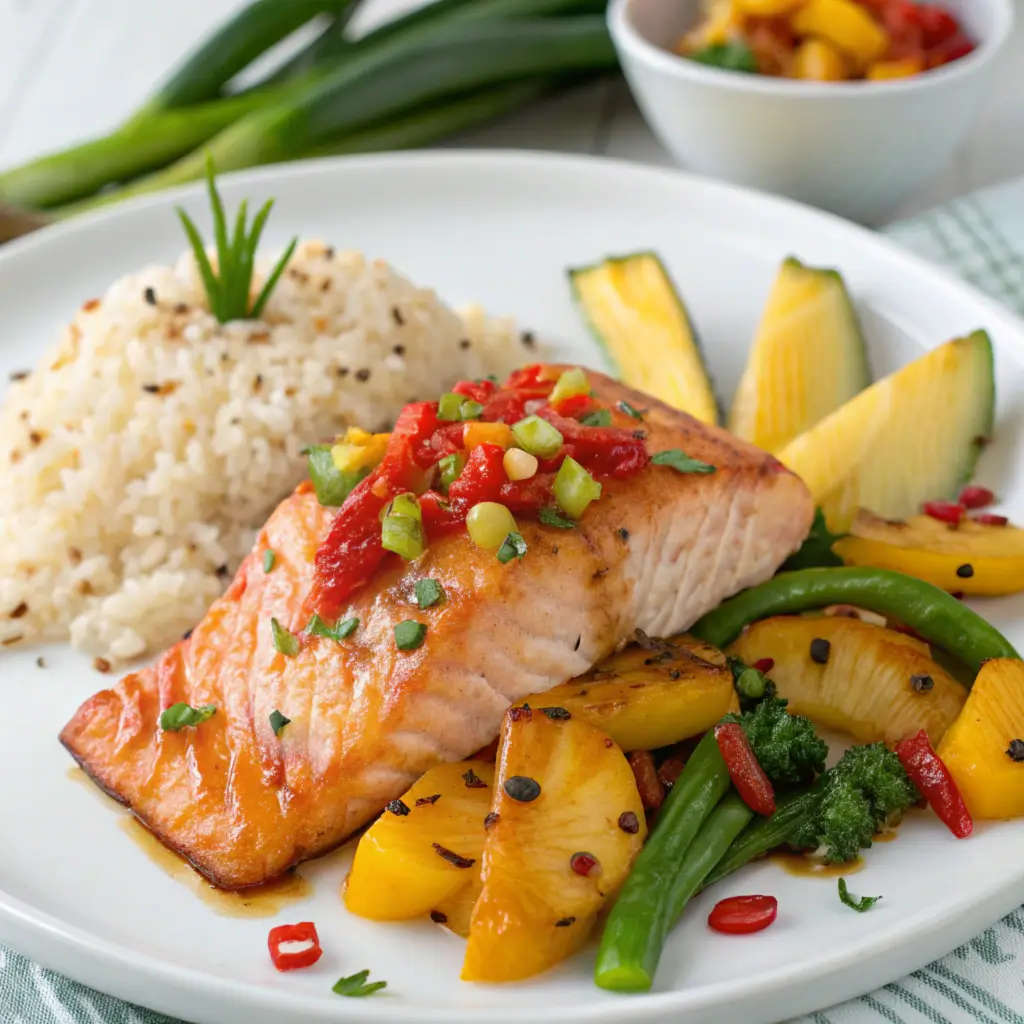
[865, 680]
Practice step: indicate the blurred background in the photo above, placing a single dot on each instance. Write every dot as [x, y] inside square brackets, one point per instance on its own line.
[74, 69]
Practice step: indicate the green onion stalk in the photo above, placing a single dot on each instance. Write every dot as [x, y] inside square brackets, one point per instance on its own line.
[164, 129]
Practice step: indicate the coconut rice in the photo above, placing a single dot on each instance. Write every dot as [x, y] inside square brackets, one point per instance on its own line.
[150, 443]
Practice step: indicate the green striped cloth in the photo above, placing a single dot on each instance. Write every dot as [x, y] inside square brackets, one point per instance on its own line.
[981, 237]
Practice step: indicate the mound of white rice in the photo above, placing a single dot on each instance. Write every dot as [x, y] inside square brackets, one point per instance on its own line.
[139, 457]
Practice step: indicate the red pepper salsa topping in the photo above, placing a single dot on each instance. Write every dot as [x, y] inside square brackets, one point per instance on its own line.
[742, 915]
[352, 551]
[305, 931]
[931, 776]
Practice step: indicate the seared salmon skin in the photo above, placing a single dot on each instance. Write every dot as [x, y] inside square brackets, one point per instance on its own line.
[243, 802]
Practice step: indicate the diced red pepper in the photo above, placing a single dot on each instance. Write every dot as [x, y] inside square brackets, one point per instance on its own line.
[535, 376]
[554, 463]
[603, 451]
[976, 497]
[753, 786]
[475, 390]
[927, 771]
[742, 915]
[531, 495]
[510, 406]
[480, 480]
[937, 25]
[949, 50]
[352, 551]
[439, 517]
[575, 406]
[444, 441]
[764, 664]
[945, 511]
[416, 424]
[305, 931]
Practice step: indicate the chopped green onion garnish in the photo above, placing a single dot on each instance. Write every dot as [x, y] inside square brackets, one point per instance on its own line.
[597, 418]
[177, 716]
[403, 535]
[552, 517]
[513, 546]
[428, 593]
[331, 485]
[284, 642]
[858, 903]
[228, 288]
[570, 384]
[356, 985]
[269, 558]
[451, 466]
[342, 631]
[574, 489]
[409, 635]
[471, 410]
[630, 411]
[537, 436]
[449, 406]
[406, 505]
[681, 462]
[278, 721]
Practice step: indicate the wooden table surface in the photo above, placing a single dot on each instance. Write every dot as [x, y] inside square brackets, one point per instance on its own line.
[72, 68]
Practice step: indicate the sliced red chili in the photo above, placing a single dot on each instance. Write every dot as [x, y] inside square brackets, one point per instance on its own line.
[480, 480]
[975, 497]
[954, 48]
[742, 915]
[931, 776]
[936, 24]
[305, 931]
[753, 786]
[988, 519]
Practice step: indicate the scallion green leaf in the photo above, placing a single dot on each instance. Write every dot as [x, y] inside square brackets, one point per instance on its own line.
[597, 418]
[574, 488]
[269, 558]
[284, 642]
[409, 635]
[451, 466]
[858, 903]
[681, 462]
[428, 593]
[449, 407]
[470, 410]
[330, 484]
[342, 631]
[278, 721]
[630, 411]
[403, 535]
[180, 715]
[513, 546]
[569, 385]
[552, 517]
[356, 985]
[537, 436]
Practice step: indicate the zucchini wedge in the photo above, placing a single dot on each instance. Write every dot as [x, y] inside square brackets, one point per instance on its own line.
[635, 313]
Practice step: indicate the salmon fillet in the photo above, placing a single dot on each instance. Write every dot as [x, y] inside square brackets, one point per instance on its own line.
[243, 805]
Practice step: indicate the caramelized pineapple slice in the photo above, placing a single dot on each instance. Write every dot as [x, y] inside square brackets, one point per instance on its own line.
[565, 827]
[984, 748]
[975, 558]
[868, 681]
[421, 851]
[650, 696]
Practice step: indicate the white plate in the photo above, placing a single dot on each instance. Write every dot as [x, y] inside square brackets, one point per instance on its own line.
[499, 228]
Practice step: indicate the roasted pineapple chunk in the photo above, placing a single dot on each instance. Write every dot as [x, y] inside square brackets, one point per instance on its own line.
[984, 748]
[565, 827]
[868, 681]
[421, 851]
[650, 696]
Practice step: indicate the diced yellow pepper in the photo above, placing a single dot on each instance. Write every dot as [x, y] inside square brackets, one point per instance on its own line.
[475, 433]
[846, 25]
[359, 450]
[882, 70]
[767, 8]
[818, 61]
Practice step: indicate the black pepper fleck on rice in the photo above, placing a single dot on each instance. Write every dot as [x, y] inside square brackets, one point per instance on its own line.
[363, 375]
[527, 339]
[150, 296]
[396, 315]
[464, 344]
[399, 350]
[17, 375]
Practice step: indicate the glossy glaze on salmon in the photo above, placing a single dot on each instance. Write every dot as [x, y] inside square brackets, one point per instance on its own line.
[656, 552]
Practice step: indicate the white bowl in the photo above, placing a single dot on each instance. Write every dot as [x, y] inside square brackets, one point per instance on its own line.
[858, 149]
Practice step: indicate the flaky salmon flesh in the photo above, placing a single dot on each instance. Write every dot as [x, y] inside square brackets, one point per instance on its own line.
[656, 552]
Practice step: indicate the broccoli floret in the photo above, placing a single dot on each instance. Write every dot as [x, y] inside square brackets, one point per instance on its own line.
[867, 788]
[786, 746]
